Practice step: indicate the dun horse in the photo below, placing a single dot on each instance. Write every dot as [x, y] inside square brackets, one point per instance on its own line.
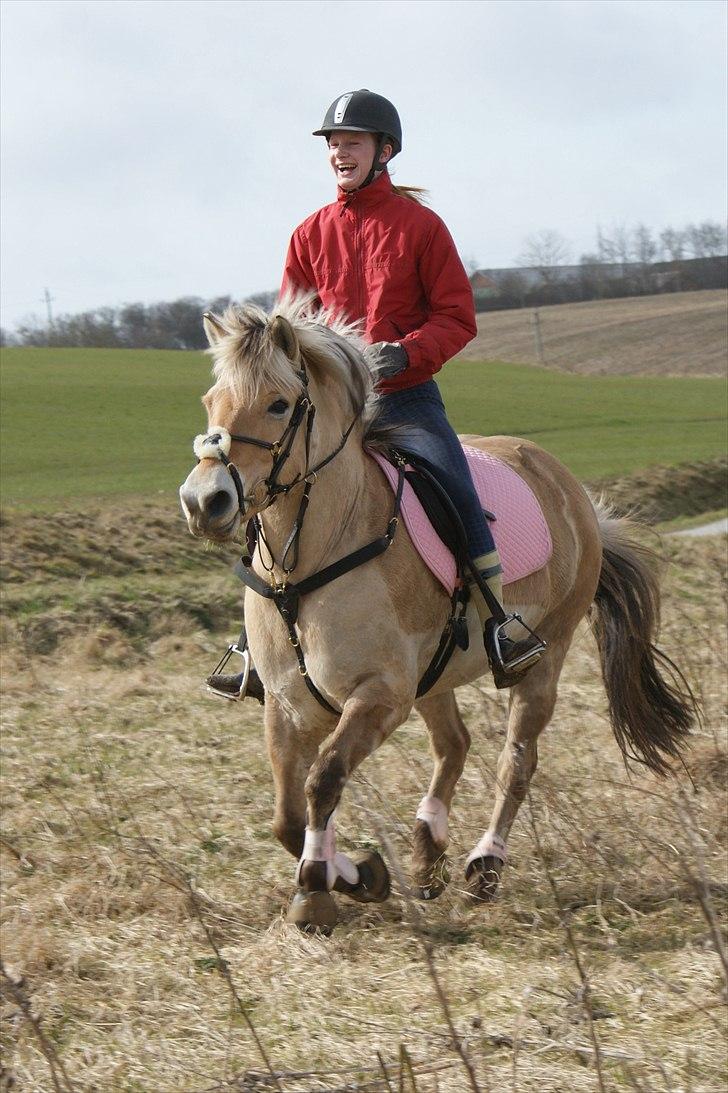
[362, 641]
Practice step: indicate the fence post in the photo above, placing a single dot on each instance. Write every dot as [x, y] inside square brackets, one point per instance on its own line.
[536, 319]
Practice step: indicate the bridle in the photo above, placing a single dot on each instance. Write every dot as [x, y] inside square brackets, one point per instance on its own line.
[216, 444]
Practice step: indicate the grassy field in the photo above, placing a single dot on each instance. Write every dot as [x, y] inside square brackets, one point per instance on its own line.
[98, 423]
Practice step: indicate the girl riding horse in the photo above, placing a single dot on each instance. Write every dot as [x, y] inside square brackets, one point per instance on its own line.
[379, 257]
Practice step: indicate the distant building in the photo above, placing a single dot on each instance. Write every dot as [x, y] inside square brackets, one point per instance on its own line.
[483, 283]
[663, 275]
[532, 277]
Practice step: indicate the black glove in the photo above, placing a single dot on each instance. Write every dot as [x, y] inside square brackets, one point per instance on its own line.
[386, 359]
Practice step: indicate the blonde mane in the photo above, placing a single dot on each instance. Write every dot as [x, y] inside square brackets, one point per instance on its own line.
[248, 359]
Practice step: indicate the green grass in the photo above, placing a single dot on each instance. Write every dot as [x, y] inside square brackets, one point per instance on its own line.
[81, 423]
[600, 426]
[85, 422]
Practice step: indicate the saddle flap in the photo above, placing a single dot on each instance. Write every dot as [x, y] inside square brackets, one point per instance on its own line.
[439, 510]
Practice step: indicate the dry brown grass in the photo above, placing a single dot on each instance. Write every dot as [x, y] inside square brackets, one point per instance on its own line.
[680, 334]
[137, 854]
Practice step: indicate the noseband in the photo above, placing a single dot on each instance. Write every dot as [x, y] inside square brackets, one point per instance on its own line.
[215, 444]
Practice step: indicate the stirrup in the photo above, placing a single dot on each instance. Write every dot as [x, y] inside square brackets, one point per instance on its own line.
[219, 670]
[505, 668]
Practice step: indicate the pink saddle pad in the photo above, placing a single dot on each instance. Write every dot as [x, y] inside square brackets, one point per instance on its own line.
[520, 530]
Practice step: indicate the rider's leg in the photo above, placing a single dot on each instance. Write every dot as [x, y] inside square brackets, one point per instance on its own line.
[430, 436]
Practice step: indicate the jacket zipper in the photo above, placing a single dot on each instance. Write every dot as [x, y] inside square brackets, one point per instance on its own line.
[357, 260]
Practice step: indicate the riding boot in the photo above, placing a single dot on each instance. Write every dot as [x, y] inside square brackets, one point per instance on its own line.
[509, 658]
[231, 686]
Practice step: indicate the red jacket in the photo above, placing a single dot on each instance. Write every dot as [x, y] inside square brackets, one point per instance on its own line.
[383, 258]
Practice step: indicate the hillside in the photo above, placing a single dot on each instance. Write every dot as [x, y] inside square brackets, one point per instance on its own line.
[681, 334]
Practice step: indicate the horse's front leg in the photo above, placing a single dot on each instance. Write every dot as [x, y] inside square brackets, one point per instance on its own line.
[449, 743]
[291, 757]
[367, 719]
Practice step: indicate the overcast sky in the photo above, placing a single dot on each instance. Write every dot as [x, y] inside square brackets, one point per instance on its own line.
[160, 148]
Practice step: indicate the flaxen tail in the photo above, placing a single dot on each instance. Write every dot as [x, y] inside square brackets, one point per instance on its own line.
[651, 705]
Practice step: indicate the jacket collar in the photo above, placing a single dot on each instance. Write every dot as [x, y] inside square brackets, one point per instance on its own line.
[372, 194]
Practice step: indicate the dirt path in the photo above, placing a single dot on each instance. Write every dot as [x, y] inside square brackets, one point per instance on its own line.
[716, 527]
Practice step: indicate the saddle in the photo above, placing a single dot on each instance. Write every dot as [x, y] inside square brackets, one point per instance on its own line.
[519, 527]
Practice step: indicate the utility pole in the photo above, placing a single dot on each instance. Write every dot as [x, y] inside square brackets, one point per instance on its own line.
[48, 300]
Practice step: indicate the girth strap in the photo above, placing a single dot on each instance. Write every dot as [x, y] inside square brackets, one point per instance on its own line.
[454, 634]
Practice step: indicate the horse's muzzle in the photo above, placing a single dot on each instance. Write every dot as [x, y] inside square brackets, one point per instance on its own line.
[210, 502]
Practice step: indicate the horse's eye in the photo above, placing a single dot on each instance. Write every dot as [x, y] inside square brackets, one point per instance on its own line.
[278, 407]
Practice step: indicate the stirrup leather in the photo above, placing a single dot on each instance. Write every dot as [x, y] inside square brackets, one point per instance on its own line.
[231, 651]
[495, 632]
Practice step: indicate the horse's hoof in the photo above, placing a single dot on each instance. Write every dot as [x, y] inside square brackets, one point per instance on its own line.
[429, 864]
[313, 912]
[483, 877]
[374, 885]
[439, 881]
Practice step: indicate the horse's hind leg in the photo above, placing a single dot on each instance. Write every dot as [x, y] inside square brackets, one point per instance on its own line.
[449, 743]
[531, 707]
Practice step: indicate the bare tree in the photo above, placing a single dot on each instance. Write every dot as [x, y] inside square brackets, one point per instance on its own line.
[644, 247]
[265, 300]
[622, 243]
[605, 248]
[672, 244]
[644, 250]
[545, 251]
[615, 245]
[706, 240]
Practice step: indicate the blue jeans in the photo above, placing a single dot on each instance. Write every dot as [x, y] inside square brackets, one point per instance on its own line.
[431, 436]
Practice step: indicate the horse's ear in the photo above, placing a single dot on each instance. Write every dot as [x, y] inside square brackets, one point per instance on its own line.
[213, 327]
[284, 336]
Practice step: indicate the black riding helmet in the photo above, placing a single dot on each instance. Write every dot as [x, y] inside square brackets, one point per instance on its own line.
[364, 111]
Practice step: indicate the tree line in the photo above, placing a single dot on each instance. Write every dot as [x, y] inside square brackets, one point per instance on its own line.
[172, 325]
[624, 262]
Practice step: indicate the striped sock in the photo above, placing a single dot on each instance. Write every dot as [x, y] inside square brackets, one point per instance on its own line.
[490, 569]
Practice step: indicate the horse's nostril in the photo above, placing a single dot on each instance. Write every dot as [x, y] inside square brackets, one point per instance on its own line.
[218, 504]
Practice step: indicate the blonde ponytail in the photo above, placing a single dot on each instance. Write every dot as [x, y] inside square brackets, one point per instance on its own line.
[414, 193]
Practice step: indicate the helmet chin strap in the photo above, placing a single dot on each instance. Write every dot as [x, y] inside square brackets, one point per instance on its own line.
[376, 167]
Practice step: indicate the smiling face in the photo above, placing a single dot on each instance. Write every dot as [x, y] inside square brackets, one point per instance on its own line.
[351, 155]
